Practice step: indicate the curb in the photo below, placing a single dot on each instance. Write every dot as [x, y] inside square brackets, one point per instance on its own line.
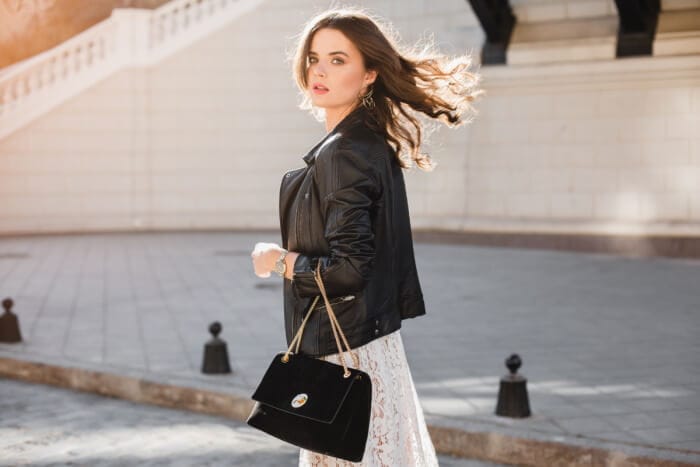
[506, 449]
[486, 446]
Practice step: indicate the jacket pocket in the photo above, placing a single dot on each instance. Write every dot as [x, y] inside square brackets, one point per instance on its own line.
[334, 301]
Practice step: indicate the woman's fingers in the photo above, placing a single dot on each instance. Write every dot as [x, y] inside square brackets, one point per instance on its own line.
[262, 247]
[259, 268]
[261, 256]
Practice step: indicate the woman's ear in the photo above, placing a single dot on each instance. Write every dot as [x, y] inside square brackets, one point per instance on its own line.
[370, 77]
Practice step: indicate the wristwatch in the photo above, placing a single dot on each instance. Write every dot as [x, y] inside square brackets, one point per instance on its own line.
[280, 265]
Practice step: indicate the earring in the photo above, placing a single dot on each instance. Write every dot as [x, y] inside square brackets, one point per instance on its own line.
[367, 99]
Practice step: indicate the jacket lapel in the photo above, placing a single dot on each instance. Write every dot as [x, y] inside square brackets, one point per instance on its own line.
[356, 115]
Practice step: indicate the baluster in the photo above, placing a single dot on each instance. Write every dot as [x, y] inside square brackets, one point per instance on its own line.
[161, 28]
[55, 69]
[43, 76]
[65, 65]
[74, 60]
[6, 99]
[107, 45]
[87, 54]
[152, 22]
[19, 89]
[90, 53]
[186, 19]
[31, 83]
[97, 51]
[173, 22]
[78, 58]
[47, 75]
[156, 32]
[50, 72]
[86, 57]
[198, 11]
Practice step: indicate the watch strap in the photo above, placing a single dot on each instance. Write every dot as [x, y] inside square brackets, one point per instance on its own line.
[280, 265]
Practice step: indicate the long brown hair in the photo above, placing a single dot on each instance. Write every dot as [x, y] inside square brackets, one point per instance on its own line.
[408, 83]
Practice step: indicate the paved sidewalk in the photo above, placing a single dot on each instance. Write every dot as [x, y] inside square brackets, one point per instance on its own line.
[609, 344]
[45, 426]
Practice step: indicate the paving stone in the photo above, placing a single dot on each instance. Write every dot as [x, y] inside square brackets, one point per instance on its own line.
[45, 426]
[600, 336]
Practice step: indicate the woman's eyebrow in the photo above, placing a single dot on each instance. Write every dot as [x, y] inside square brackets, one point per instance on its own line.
[337, 52]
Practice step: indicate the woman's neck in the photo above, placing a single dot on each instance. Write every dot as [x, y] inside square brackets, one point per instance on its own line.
[336, 115]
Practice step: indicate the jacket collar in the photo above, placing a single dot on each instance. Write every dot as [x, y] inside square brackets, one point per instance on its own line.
[356, 116]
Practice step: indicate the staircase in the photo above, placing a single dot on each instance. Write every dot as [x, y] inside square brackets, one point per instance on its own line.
[565, 31]
[128, 38]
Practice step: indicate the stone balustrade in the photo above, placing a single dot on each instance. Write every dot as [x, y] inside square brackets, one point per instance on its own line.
[128, 38]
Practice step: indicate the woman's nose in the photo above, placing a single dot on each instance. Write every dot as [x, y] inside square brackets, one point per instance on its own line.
[319, 71]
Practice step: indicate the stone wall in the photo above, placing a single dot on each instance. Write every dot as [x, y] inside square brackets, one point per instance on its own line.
[201, 140]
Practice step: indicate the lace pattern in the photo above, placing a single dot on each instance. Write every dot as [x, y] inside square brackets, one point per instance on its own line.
[398, 435]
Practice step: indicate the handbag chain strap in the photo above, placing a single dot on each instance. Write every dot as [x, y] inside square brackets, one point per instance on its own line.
[335, 327]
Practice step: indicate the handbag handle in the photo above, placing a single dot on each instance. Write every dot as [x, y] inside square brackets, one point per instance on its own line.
[335, 327]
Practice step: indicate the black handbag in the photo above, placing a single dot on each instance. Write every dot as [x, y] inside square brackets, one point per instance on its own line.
[314, 404]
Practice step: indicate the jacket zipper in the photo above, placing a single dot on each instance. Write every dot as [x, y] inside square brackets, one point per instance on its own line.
[301, 205]
[299, 317]
[345, 298]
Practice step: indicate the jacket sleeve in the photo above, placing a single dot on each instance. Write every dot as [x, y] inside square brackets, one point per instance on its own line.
[348, 185]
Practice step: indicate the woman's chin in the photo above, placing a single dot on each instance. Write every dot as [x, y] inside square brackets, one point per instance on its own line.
[322, 103]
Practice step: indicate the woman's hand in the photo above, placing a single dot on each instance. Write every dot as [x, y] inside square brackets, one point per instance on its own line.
[264, 257]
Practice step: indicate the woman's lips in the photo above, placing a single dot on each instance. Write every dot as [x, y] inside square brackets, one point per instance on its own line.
[319, 89]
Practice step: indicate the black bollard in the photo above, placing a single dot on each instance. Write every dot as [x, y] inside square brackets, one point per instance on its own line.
[215, 353]
[512, 395]
[9, 324]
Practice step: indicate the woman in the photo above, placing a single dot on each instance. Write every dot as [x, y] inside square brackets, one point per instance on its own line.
[347, 210]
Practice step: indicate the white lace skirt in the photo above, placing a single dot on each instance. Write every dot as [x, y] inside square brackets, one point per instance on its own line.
[398, 435]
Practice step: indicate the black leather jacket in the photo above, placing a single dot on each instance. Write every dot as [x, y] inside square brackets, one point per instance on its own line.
[347, 208]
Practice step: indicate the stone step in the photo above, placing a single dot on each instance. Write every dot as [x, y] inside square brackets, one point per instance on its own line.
[582, 39]
[678, 33]
[534, 11]
[667, 5]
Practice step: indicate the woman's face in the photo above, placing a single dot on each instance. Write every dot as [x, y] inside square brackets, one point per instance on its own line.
[336, 74]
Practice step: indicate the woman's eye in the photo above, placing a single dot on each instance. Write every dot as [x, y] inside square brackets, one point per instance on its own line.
[335, 61]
